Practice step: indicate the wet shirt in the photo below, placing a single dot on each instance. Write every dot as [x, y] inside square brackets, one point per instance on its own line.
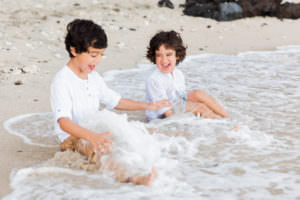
[75, 98]
[160, 86]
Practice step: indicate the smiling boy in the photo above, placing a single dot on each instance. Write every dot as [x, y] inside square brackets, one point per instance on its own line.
[77, 91]
[166, 50]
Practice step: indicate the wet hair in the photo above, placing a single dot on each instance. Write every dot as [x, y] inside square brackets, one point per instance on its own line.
[171, 40]
[82, 34]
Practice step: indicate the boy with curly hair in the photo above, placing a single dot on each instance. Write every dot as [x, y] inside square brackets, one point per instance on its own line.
[166, 50]
[77, 91]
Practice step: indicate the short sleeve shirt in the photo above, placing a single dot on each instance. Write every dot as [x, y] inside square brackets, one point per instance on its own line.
[161, 86]
[76, 98]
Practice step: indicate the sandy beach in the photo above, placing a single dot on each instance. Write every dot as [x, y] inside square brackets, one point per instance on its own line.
[32, 51]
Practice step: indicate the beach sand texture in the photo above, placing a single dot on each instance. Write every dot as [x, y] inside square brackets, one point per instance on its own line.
[32, 51]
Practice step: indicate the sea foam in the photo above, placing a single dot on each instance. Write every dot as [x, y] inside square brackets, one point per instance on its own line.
[197, 158]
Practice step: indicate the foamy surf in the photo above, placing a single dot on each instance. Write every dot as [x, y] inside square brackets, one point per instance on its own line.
[33, 128]
[133, 147]
[204, 159]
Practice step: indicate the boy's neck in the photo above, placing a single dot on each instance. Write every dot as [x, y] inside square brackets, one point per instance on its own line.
[72, 65]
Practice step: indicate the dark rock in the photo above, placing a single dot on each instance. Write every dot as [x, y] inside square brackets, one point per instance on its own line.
[208, 10]
[166, 3]
[219, 10]
[18, 82]
[215, 165]
[263, 24]
[132, 29]
[225, 10]
[289, 10]
[205, 1]
[230, 11]
[253, 8]
[116, 9]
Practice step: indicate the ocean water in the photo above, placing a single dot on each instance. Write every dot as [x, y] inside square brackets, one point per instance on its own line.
[197, 158]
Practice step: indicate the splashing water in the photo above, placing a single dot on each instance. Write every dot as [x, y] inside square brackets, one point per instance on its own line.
[201, 158]
[133, 147]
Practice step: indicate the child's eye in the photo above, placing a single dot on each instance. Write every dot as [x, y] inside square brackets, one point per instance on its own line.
[94, 55]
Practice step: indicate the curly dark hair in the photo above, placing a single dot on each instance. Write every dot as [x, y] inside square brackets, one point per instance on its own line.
[171, 40]
[82, 34]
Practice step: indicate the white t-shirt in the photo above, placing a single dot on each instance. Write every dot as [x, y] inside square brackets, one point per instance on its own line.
[161, 86]
[75, 98]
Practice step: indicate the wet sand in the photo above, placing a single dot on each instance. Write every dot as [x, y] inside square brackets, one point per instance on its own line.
[32, 36]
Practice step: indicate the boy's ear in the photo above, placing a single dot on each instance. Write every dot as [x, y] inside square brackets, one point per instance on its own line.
[73, 51]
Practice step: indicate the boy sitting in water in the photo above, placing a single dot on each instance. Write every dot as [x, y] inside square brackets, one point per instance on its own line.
[77, 90]
[166, 50]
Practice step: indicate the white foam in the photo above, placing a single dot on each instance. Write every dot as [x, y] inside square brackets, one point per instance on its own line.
[207, 160]
[133, 146]
[33, 128]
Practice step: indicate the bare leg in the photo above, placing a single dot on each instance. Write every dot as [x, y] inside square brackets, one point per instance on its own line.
[144, 180]
[85, 148]
[210, 102]
[120, 175]
[236, 127]
[200, 108]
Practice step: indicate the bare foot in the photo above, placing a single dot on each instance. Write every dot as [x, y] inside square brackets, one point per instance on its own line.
[236, 128]
[224, 138]
[145, 180]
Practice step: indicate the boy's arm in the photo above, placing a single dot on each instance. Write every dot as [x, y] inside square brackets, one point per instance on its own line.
[127, 104]
[156, 92]
[98, 141]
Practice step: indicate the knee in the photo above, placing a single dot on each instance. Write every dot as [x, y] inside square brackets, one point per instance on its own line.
[201, 93]
[202, 109]
[198, 95]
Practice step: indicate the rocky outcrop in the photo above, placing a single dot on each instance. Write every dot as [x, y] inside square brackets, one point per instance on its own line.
[225, 10]
[166, 3]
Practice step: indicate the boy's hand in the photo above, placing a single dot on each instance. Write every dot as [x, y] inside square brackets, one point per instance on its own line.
[100, 143]
[157, 105]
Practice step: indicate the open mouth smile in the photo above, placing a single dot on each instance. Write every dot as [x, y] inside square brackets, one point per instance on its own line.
[92, 67]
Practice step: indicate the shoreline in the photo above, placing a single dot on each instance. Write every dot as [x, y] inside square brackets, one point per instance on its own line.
[126, 49]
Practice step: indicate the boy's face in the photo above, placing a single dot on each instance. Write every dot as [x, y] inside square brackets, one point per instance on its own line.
[87, 61]
[165, 59]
